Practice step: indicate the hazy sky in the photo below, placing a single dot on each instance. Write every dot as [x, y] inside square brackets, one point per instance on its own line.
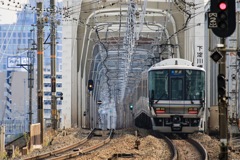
[7, 10]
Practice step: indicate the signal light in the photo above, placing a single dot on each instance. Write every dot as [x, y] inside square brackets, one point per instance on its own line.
[131, 107]
[225, 20]
[90, 85]
[222, 24]
[222, 5]
[221, 85]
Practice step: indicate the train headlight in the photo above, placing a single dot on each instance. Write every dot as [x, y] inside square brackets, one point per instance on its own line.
[176, 119]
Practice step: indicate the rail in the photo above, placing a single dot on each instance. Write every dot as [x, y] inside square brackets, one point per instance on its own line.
[172, 147]
[78, 152]
[200, 148]
[57, 151]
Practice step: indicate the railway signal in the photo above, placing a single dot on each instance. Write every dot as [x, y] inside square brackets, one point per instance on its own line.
[222, 17]
[221, 85]
[131, 107]
[90, 85]
[216, 56]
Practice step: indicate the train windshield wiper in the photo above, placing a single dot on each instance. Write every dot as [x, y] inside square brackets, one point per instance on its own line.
[191, 99]
[164, 94]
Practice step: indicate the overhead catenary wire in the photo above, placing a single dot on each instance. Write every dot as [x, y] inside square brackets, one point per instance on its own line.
[189, 16]
[104, 61]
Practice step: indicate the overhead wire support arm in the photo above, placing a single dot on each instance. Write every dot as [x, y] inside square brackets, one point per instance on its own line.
[23, 66]
[45, 42]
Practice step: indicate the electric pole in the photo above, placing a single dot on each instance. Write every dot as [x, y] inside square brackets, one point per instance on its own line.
[223, 119]
[222, 21]
[53, 67]
[30, 70]
[40, 52]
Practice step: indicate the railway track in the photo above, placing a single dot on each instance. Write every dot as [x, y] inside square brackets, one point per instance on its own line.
[190, 149]
[184, 148]
[63, 149]
[20, 142]
[80, 151]
[73, 150]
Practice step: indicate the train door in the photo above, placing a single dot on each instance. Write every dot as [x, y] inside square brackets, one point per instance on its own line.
[177, 91]
[176, 85]
[176, 88]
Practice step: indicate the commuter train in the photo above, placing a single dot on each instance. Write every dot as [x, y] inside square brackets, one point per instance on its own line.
[171, 98]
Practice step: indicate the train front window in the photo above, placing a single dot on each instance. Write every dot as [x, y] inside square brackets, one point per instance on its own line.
[177, 88]
[176, 84]
[195, 84]
[158, 84]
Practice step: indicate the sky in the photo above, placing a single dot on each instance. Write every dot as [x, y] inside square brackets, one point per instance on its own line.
[7, 13]
[7, 10]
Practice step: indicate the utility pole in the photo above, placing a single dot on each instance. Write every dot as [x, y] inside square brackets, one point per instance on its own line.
[40, 52]
[53, 66]
[30, 69]
[30, 82]
[223, 120]
[222, 21]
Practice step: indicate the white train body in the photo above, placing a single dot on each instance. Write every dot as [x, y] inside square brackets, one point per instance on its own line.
[173, 97]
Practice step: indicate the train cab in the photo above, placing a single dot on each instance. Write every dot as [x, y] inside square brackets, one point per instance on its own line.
[176, 96]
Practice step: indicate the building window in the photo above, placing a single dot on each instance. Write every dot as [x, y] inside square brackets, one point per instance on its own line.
[47, 102]
[47, 94]
[58, 93]
[59, 85]
[59, 102]
[47, 84]
[47, 76]
[59, 77]
[47, 111]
